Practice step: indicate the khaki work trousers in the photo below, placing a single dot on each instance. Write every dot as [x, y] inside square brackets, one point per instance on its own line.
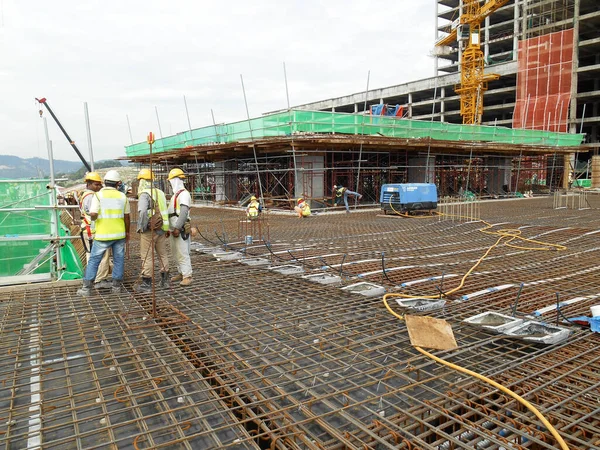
[104, 267]
[160, 250]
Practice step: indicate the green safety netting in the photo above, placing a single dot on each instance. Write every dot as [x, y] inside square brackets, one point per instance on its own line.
[295, 121]
[582, 183]
[25, 232]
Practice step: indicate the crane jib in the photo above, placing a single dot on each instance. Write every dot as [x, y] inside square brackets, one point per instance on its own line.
[45, 103]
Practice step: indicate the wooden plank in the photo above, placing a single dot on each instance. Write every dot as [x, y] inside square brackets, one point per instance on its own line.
[428, 332]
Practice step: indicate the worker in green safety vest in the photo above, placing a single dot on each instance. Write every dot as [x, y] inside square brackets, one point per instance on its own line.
[110, 209]
[153, 227]
[88, 228]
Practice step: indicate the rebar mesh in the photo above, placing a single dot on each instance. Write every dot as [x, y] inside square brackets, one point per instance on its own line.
[247, 357]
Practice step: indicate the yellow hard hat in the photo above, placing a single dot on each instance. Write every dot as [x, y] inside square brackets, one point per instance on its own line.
[92, 176]
[176, 173]
[300, 200]
[252, 198]
[145, 174]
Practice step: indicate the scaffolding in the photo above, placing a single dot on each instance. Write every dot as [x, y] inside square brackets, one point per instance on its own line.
[34, 234]
[299, 122]
[305, 153]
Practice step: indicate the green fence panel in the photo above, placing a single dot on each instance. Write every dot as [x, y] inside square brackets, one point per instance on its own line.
[25, 233]
[582, 183]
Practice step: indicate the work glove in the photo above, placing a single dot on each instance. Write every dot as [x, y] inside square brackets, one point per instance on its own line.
[175, 232]
[187, 227]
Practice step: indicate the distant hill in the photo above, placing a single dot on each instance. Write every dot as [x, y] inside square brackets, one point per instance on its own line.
[13, 167]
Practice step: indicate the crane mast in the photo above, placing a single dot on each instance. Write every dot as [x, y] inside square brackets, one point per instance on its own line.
[473, 80]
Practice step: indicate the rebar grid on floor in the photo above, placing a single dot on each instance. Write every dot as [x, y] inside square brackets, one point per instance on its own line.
[250, 358]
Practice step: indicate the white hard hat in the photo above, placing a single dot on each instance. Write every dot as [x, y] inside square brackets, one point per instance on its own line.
[112, 175]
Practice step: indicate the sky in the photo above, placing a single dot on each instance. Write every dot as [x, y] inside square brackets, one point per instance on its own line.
[129, 60]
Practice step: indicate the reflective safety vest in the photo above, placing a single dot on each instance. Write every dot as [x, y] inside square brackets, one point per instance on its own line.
[253, 209]
[110, 224]
[340, 191]
[86, 221]
[304, 208]
[158, 195]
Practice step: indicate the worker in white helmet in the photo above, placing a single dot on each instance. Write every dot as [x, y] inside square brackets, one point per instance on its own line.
[110, 210]
[179, 227]
[93, 184]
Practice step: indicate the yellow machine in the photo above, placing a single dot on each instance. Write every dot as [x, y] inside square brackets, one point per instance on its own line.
[473, 82]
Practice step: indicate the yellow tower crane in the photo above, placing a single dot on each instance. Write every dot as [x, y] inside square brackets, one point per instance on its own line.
[473, 82]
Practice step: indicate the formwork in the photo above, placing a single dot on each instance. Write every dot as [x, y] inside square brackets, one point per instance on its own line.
[248, 357]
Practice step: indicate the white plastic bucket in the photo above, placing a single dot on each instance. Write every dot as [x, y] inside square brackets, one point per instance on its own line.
[595, 311]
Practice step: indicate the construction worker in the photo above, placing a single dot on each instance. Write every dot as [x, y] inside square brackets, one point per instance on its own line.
[110, 210]
[254, 208]
[152, 205]
[342, 193]
[93, 183]
[302, 208]
[179, 224]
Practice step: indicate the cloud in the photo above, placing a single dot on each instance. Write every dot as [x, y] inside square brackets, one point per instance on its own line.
[126, 58]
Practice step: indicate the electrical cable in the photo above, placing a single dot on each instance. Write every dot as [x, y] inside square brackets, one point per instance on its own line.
[485, 379]
[503, 234]
[528, 405]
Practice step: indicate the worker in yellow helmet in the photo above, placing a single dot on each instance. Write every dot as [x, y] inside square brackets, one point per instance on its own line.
[110, 210]
[179, 226]
[254, 208]
[93, 183]
[302, 208]
[153, 226]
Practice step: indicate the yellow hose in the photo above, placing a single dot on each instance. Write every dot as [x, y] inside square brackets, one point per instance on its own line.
[509, 235]
[505, 234]
[504, 389]
[529, 406]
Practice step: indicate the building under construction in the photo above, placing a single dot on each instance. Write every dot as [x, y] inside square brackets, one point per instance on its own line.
[474, 326]
[542, 76]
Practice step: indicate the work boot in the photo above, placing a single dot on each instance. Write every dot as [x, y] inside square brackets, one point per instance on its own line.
[145, 286]
[117, 286]
[165, 281]
[186, 281]
[104, 284]
[177, 277]
[86, 289]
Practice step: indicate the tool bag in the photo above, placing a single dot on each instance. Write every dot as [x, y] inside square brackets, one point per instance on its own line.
[156, 221]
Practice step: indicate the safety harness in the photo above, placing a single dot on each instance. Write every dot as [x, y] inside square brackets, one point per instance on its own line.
[86, 222]
[184, 234]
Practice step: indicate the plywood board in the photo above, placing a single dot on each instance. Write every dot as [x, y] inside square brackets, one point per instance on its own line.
[428, 332]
